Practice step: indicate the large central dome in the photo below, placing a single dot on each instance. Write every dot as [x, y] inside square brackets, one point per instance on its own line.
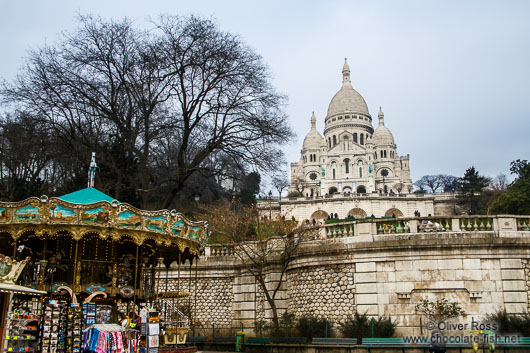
[347, 100]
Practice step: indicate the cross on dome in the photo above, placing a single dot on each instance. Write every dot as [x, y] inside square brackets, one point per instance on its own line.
[381, 117]
[346, 73]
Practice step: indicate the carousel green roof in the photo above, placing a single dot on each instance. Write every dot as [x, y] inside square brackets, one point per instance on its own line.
[86, 196]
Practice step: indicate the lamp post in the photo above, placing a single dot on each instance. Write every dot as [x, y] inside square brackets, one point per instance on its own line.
[384, 173]
[270, 205]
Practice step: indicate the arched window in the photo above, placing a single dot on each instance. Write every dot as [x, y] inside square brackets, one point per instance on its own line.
[375, 155]
[360, 172]
[347, 165]
[357, 213]
[333, 173]
[381, 153]
[334, 140]
[361, 190]
[362, 139]
[355, 137]
[329, 140]
[385, 153]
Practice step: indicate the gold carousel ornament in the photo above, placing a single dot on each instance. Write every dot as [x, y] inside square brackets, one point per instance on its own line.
[86, 242]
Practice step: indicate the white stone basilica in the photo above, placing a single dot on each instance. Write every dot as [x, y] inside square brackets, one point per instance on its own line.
[351, 158]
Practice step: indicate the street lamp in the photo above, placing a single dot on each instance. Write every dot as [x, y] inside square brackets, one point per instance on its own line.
[384, 173]
[270, 205]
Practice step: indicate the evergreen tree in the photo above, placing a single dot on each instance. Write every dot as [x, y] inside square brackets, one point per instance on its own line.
[249, 188]
[471, 187]
[516, 200]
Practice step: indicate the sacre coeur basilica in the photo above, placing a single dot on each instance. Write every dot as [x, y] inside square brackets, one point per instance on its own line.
[353, 170]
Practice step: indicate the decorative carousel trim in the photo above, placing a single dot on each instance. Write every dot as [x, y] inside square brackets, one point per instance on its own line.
[107, 219]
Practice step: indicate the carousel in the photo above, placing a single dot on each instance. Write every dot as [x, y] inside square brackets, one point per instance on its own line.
[85, 259]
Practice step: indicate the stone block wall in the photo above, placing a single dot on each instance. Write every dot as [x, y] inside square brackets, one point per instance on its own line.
[214, 298]
[377, 275]
[322, 291]
[526, 266]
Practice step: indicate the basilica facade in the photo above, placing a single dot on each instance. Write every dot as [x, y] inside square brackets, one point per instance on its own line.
[351, 158]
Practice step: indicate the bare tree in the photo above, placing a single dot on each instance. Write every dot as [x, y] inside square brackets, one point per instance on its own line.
[449, 182]
[430, 182]
[433, 183]
[158, 105]
[264, 247]
[299, 183]
[500, 182]
[27, 155]
[280, 182]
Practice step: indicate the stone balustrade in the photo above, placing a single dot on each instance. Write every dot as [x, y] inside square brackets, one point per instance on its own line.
[523, 223]
[460, 224]
[413, 225]
[352, 195]
[220, 250]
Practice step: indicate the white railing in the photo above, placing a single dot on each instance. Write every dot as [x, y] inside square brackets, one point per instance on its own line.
[413, 225]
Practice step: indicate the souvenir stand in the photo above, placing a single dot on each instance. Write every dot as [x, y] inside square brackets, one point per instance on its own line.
[19, 327]
[89, 247]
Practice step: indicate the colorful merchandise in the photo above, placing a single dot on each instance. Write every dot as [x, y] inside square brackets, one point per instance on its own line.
[110, 338]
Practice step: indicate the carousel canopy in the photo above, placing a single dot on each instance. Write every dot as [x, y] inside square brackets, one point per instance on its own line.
[86, 196]
[90, 211]
[16, 289]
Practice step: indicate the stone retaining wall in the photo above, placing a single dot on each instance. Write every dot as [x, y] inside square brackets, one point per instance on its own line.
[214, 298]
[378, 275]
[323, 291]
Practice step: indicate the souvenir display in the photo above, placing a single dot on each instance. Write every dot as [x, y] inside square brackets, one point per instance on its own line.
[54, 324]
[22, 332]
[152, 332]
[110, 338]
[89, 314]
[74, 329]
[103, 314]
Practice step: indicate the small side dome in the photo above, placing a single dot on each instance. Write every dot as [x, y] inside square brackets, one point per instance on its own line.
[313, 138]
[382, 136]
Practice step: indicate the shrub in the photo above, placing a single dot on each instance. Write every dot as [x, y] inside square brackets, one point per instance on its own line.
[295, 193]
[359, 326]
[310, 326]
[511, 323]
[440, 309]
[260, 326]
[384, 327]
[266, 327]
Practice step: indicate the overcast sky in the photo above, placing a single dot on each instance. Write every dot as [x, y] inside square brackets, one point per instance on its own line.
[452, 77]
